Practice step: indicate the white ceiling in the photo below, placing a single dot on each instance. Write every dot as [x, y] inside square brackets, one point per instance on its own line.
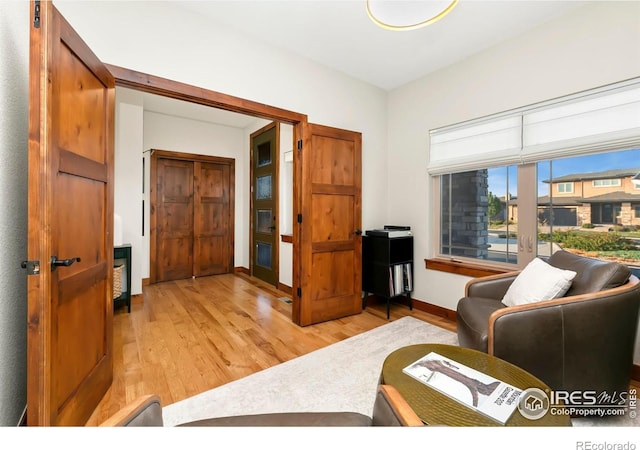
[340, 35]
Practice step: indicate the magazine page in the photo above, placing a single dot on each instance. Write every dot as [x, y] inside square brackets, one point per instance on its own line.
[487, 395]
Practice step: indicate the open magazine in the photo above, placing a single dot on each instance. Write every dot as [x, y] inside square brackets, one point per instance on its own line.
[480, 392]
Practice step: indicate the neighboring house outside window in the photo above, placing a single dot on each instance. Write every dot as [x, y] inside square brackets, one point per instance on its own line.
[602, 197]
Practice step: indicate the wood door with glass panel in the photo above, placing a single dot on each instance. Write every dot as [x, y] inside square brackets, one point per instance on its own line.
[264, 155]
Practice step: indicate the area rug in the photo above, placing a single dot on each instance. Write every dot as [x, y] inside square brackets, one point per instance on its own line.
[340, 377]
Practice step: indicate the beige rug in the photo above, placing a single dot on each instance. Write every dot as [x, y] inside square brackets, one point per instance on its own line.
[340, 377]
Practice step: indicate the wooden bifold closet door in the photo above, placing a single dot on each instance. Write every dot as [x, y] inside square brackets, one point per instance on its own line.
[192, 210]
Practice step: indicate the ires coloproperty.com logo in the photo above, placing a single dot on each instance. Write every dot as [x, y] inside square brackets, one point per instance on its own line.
[535, 403]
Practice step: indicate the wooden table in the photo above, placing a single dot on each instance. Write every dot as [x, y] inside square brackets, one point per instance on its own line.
[436, 408]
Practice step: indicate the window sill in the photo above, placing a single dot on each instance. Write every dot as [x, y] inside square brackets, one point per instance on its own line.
[462, 268]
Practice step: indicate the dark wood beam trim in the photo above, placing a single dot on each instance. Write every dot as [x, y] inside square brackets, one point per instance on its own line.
[463, 268]
[174, 89]
[287, 238]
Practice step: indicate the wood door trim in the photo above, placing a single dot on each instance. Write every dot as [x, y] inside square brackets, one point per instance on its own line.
[174, 89]
[153, 199]
[276, 232]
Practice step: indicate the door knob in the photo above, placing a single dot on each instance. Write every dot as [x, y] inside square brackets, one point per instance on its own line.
[358, 232]
[55, 262]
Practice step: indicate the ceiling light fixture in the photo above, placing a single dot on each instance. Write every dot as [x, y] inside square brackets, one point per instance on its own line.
[408, 14]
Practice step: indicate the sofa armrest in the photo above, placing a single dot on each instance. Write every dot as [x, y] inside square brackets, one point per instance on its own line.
[145, 411]
[390, 408]
[493, 286]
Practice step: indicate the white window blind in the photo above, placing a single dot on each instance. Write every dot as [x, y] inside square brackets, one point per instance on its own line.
[593, 123]
[466, 147]
[597, 120]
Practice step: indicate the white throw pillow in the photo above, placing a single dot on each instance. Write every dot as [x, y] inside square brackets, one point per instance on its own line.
[538, 281]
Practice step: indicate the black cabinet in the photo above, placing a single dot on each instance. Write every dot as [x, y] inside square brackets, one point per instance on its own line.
[122, 257]
[387, 267]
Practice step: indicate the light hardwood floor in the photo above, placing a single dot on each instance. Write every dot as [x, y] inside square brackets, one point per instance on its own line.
[185, 337]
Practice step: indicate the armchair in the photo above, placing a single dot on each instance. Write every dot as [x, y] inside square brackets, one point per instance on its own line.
[581, 341]
[389, 409]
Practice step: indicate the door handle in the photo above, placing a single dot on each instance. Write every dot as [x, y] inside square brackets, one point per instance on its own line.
[55, 262]
[358, 232]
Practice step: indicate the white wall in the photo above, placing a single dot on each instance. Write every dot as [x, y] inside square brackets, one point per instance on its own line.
[286, 205]
[14, 101]
[127, 198]
[600, 44]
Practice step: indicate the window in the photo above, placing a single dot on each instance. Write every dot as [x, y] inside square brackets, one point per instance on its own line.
[606, 183]
[556, 153]
[478, 214]
[483, 218]
[565, 188]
